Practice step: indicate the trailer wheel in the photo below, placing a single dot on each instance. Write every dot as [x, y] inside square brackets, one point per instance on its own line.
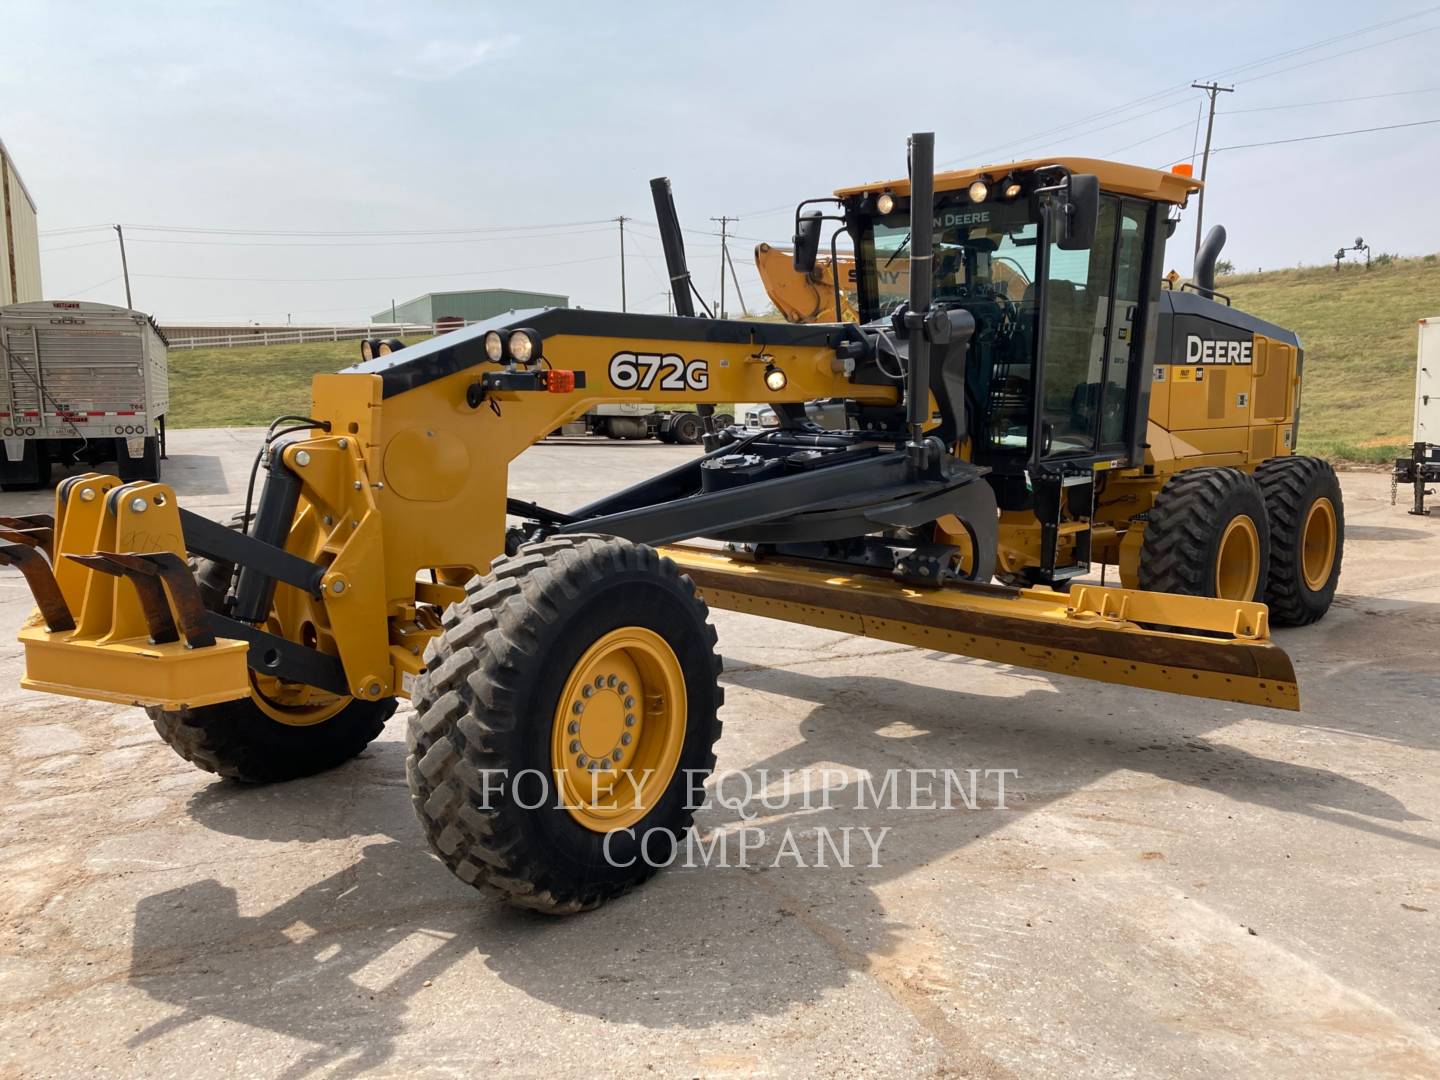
[566, 723]
[258, 740]
[1208, 535]
[1307, 537]
[687, 429]
[145, 467]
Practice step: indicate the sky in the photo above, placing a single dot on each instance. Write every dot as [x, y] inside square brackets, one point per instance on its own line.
[344, 155]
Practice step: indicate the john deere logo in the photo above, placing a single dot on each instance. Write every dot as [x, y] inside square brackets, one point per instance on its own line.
[1200, 350]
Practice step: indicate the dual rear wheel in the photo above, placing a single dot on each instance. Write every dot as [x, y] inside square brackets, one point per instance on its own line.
[1276, 536]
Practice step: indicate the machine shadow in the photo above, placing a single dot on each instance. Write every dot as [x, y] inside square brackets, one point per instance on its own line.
[337, 963]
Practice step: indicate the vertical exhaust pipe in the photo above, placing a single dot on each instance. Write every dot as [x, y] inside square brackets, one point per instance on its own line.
[922, 230]
[1205, 261]
[673, 244]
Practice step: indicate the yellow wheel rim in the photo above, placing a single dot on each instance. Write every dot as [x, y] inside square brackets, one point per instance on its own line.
[1237, 560]
[618, 729]
[1317, 544]
[293, 703]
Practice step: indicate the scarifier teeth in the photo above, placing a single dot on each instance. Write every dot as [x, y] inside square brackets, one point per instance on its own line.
[43, 586]
[146, 571]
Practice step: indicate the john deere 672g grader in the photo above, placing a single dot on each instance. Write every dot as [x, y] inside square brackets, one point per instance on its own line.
[561, 663]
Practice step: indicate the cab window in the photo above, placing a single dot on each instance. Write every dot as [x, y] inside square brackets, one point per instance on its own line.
[1091, 302]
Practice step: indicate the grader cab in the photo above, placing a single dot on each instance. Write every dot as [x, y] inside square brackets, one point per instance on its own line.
[561, 661]
[1122, 423]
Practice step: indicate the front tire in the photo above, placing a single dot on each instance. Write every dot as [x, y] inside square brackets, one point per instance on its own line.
[1208, 535]
[1307, 537]
[238, 740]
[265, 744]
[585, 668]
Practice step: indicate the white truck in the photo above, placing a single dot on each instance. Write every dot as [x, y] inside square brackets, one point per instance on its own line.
[1422, 466]
[80, 384]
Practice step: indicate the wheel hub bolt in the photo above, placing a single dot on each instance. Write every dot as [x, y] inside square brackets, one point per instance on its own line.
[629, 702]
[624, 688]
[616, 756]
[629, 719]
[579, 707]
[574, 745]
[586, 691]
[611, 681]
[574, 727]
[582, 761]
[625, 738]
[599, 682]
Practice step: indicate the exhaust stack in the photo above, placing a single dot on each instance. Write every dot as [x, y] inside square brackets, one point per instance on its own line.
[1204, 278]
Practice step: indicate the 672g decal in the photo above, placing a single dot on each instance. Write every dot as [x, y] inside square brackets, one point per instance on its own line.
[644, 371]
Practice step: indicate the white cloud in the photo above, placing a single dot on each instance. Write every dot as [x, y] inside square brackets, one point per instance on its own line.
[440, 59]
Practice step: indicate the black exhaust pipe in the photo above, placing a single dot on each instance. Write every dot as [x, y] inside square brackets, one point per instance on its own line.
[673, 244]
[1205, 260]
[922, 235]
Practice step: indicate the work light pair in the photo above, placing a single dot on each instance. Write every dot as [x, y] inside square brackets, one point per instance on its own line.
[521, 347]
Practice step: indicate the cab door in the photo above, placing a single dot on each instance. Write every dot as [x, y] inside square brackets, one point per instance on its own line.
[1091, 351]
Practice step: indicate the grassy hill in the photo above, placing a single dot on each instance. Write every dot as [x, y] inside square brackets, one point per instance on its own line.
[250, 384]
[1357, 328]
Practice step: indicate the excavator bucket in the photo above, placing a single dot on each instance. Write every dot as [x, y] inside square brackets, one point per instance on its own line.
[1182, 644]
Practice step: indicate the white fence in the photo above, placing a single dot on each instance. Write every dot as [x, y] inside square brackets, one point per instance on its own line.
[301, 334]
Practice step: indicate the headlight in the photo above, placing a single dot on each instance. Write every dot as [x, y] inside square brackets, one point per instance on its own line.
[494, 347]
[1011, 189]
[885, 203]
[775, 378]
[524, 346]
[979, 191]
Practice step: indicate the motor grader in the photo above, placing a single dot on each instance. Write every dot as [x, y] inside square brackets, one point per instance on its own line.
[561, 662]
[1200, 492]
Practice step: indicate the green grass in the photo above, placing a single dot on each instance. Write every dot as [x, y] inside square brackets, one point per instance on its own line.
[1357, 327]
[249, 384]
[1358, 330]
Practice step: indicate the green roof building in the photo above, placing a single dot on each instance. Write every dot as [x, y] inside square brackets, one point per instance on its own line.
[471, 305]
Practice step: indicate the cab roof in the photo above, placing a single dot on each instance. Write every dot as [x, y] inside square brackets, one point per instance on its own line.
[1122, 179]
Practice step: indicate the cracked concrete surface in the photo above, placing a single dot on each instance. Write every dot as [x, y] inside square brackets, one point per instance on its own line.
[1177, 887]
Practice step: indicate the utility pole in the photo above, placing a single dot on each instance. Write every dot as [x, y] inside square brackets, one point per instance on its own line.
[621, 220]
[736, 279]
[124, 266]
[1213, 89]
[724, 257]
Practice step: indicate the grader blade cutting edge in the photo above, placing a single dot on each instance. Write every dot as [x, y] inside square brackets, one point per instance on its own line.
[1207, 648]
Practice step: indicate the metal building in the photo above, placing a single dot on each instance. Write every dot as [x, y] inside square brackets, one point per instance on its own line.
[19, 237]
[471, 305]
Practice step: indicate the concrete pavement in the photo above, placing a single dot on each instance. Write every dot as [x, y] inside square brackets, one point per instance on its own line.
[1175, 887]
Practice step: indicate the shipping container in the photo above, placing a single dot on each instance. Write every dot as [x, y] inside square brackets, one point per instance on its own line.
[80, 384]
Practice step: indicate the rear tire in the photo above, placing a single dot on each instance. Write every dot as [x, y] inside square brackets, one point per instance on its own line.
[494, 710]
[687, 429]
[1208, 535]
[1307, 537]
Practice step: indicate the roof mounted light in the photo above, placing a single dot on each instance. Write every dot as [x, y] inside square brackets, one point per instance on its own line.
[1010, 188]
[885, 203]
[524, 346]
[979, 191]
[494, 346]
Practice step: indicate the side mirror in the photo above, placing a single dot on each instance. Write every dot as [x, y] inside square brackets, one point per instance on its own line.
[807, 242]
[1082, 212]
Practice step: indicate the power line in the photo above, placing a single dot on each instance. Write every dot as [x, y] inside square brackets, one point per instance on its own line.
[1332, 101]
[1327, 135]
[1161, 95]
[383, 277]
[215, 230]
[348, 243]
